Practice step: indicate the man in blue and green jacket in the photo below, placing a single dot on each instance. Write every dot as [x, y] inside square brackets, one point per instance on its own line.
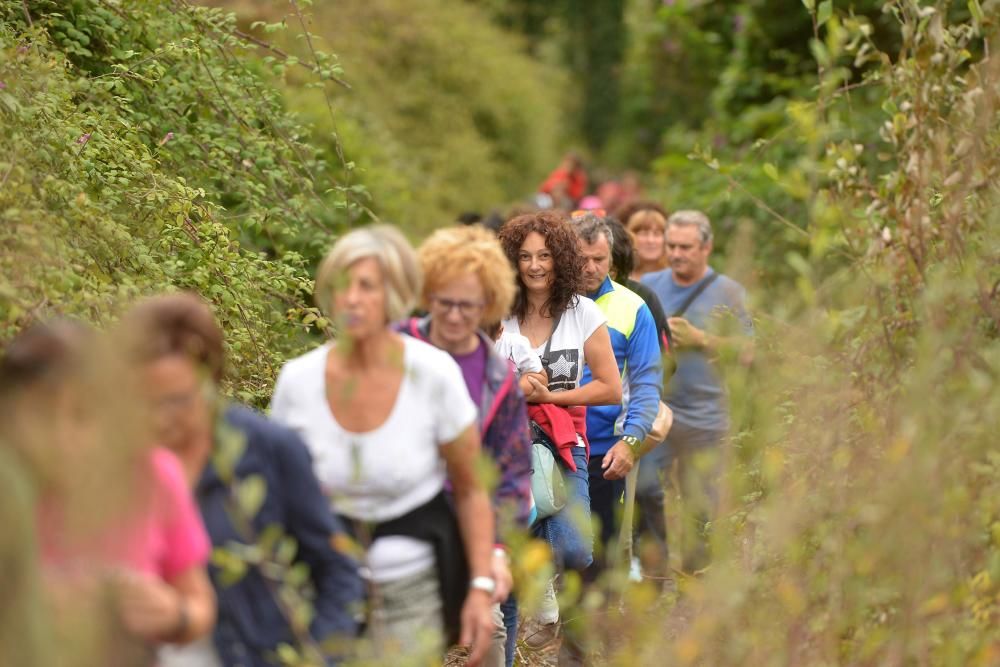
[616, 432]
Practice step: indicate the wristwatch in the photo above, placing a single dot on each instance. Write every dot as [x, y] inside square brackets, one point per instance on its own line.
[632, 442]
[485, 584]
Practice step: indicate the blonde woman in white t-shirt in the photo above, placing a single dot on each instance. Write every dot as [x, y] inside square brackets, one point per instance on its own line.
[568, 331]
[388, 419]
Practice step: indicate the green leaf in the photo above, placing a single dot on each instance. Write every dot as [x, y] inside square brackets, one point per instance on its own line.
[825, 12]
[250, 494]
[976, 10]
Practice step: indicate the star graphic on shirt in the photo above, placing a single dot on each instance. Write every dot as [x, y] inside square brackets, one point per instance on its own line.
[562, 367]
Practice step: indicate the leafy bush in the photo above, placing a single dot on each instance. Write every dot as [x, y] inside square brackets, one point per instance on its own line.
[444, 112]
[862, 521]
[143, 152]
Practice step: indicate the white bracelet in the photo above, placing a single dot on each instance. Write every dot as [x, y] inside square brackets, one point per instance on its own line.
[485, 584]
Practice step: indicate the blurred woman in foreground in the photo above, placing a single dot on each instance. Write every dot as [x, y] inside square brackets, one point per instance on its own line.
[388, 419]
[178, 347]
[116, 520]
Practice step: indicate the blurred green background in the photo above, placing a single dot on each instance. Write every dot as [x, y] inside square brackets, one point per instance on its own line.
[848, 154]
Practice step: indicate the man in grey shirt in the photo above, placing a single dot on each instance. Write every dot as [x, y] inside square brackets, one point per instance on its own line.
[707, 311]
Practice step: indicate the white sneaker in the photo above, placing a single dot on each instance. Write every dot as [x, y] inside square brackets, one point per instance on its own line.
[548, 610]
[635, 571]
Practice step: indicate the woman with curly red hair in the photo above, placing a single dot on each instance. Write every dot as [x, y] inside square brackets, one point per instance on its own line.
[566, 330]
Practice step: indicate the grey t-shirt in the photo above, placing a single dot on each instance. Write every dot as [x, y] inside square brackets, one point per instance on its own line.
[695, 392]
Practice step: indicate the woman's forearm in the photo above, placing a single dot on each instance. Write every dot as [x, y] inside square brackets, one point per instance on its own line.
[472, 504]
[198, 598]
[475, 520]
[595, 392]
[201, 615]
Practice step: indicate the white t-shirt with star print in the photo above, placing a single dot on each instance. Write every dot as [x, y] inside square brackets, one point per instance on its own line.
[566, 358]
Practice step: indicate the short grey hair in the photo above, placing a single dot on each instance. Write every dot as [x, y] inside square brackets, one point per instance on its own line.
[691, 218]
[589, 225]
[395, 256]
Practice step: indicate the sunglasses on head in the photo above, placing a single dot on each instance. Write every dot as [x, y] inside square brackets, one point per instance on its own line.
[580, 212]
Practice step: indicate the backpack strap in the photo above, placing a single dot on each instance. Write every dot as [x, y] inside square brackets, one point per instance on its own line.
[702, 286]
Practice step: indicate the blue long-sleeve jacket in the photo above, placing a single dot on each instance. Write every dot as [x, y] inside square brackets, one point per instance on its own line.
[250, 624]
[637, 351]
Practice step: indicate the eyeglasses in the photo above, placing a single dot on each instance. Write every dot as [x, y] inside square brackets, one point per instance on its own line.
[180, 401]
[467, 309]
[580, 212]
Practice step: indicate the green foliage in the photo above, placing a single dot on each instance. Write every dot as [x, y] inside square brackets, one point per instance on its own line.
[586, 39]
[444, 114]
[142, 152]
[862, 513]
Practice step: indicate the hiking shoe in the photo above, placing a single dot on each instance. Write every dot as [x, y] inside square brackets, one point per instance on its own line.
[539, 635]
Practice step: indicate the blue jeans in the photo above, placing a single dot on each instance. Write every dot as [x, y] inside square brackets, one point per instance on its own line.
[509, 609]
[569, 532]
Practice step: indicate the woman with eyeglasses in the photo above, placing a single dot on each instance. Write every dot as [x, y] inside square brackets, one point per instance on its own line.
[469, 285]
[177, 347]
[567, 330]
[389, 420]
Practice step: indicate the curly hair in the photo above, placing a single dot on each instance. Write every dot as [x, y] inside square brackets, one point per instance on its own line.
[567, 262]
[454, 252]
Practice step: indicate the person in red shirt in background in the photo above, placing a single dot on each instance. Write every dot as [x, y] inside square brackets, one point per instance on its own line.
[567, 183]
[618, 194]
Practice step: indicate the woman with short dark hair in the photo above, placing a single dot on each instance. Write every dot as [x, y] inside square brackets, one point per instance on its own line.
[224, 447]
[112, 509]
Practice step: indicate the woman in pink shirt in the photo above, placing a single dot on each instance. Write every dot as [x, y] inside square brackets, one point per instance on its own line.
[108, 516]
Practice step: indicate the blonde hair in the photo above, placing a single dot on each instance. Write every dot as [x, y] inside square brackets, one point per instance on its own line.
[396, 259]
[644, 219]
[648, 218]
[454, 252]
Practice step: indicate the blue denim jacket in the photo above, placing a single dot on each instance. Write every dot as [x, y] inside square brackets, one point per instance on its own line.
[250, 624]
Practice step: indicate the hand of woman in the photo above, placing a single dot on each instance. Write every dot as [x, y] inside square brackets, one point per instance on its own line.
[477, 625]
[149, 607]
[539, 392]
[500, 571]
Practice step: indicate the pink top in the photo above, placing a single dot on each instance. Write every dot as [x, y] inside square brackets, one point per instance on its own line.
[164, 536]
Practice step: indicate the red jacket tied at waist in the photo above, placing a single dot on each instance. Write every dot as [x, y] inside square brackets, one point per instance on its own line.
[562, 426]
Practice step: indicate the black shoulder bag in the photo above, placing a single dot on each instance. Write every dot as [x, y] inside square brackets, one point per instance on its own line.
[694, 295]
